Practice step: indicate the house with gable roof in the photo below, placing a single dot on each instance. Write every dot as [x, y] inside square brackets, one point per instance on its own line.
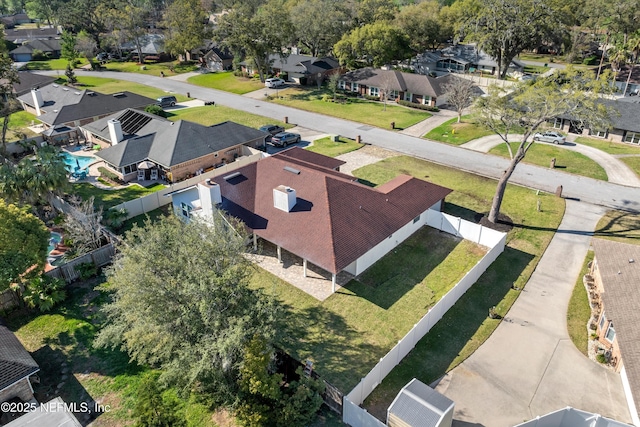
[302, 205]
[16, 368]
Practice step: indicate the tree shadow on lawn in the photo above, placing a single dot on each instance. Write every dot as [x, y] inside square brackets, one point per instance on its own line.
[405, 267]
[337, 350]
[439, 350]
[626, 226]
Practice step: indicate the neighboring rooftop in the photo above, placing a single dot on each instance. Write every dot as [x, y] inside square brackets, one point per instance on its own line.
[313, 158]
[417, 404]
[403, 82]
[50, 414]
[348, 218]
[619, 267]
[571, 417]
[16, 362]
[20, 35]
[29, 80]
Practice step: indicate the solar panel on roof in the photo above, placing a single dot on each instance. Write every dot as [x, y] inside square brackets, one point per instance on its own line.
[132, 121]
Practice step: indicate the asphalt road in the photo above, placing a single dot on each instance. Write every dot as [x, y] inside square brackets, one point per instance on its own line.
[576, 187]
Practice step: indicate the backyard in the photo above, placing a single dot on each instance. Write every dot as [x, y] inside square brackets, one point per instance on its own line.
[358, 110]
[110, 198]
[227, 81]
[19, 123]
[331, 148]
[540, 154]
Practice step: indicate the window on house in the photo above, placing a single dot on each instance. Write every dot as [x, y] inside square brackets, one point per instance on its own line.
[416, 219]
[426, 100]
[355, 87]
[632, 138]
[602, 320]
[599, 133]
[408, 96]
[557, 123]
[393, 94]
[186, 209]
[127, 169]
[374, 91]
[611, 333]
[342, 85]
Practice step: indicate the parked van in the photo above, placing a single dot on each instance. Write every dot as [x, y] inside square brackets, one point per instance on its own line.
[166, 101]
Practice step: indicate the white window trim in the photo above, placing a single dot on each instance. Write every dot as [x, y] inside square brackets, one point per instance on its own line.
[602, 320]
[606, 335]
[372, 89]
[635, 137]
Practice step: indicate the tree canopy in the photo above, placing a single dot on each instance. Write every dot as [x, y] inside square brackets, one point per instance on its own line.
[374, 45]
[182, 303]
[185, 23]
[572, 94]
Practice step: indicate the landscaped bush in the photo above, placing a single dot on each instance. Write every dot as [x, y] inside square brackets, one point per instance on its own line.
[107, 174]
[44, 292]
[590, 60]
[86, 270]
[372, 98]
[155, 109]
[418, 106]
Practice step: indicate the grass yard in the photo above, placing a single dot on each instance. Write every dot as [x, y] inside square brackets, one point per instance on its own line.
[350, 331]
[455, 133]
[171, 68]
[619, 226]
[109, 86]
[357, 110]
[566, 160]
[579, 311]
[209, 115]
[633, 163]
[609, 146]
[140, 220]
[331, 148]
[110, 198]
[227, 81]
[19, 123]
[535, 69]
[65, 335]
[466, 326]
[53, 64]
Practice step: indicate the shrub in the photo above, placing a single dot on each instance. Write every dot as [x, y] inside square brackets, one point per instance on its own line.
[155, 109]
[327, 98]
[86, 270]
[372, 98]
[601, 358]
[418, 106]
[590, 60]
[44, 292]
[106, 173]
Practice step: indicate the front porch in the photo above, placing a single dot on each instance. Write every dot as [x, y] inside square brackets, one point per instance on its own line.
[317, 282]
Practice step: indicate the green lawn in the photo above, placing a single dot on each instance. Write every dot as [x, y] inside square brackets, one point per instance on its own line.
[53, 64]
[633, 163]
[18, 125]
[171, 68]
[566, 160]
[466, 326]
[350, 331]
[609, 146]
[108, 86]
[110, 198]
[535, 69]
[227, 81]
[331, 148]
[140, 220]
[455, 133]
[579, 311]
[65, 335]
[619, 226]
[209, 115]
[357, 110]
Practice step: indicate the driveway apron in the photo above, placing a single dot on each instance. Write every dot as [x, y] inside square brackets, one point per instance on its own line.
[529, 366]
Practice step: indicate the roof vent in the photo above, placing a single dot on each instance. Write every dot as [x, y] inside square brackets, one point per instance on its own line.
[78, 93]
[292, 170]
[118, 95]
[65, 89]
[91, 93]
[55, 85]
[231, 176]
[631, 260]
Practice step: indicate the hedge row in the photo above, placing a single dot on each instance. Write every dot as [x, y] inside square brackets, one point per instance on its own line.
[418, 106]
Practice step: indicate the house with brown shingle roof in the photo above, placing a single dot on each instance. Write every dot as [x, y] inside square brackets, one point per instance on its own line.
[416, 88]
[16, 366]
[616, 272]
[314, 212]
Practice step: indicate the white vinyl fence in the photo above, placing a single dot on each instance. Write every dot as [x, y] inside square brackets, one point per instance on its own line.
[495, 241]
[155, 200]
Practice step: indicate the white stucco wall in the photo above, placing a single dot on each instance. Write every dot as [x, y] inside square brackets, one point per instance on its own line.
[381, 249]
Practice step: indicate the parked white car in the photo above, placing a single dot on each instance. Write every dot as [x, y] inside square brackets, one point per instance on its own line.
[275, 82]
[553, 137]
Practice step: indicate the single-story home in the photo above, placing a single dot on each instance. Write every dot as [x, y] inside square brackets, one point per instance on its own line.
[302, 69]
[314, 212]
[460, 58]
[140, 146]
[418, 405]
[211, 56]
[19, 36]
[417, 88]
[63, 106]
[29, 80]
[572, 417]
[151, 45]
[616, 273]
[10, 21]
[50, 48]
[16, 368]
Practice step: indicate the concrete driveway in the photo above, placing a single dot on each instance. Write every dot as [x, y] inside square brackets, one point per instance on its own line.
[529, 366]
[617, 171]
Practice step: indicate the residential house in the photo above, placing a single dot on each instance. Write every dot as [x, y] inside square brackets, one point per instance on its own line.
[170, 150]
[66, 108]
[16, 368]
[49, 48]
[460, 58]
[571, 417]
[10, 21]
[151, 46]
[19, 36]
[302, 69]
[314, 212]
[417, 88]
[625, 126]
[28, 81]
[616, 273]
[211, 56]
[53, 413]
[418, 405]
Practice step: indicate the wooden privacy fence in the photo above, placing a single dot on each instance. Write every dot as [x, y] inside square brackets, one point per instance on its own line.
[100, 257]
[356, 416]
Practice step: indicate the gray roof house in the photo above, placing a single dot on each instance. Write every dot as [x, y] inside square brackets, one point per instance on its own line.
[303, 69]
[56, 105]
[459, 58]
[417, 88]
[418, 405]
[177, 149]
[22, 35]
[25, 53]
[16, 366]
[28, 81]
[571, 417]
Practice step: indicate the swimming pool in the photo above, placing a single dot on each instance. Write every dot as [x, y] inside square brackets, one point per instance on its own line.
[53, 241]
[72, 161]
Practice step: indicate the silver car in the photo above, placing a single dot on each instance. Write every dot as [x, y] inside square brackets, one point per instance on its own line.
[553, 137]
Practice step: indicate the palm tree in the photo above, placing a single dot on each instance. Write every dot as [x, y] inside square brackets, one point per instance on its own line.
[633, 45]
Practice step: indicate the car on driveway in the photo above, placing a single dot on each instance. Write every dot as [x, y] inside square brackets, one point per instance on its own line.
[275, 82]
[271, 130]
[285, 138]
[553, 137]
